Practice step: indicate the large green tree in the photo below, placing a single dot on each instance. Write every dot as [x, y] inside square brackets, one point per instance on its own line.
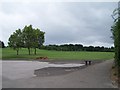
[38, 39]
[15, 40]
[116, 34]
[33, 38]
[28, 37]
[118, 40]
[116, 37]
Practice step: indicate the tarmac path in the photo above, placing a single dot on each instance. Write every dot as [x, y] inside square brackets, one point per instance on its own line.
[94, 76]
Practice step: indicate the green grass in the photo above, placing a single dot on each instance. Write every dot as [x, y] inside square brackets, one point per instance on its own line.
[8, 54]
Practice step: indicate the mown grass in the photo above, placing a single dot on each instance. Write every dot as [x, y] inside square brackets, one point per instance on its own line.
[8, 54]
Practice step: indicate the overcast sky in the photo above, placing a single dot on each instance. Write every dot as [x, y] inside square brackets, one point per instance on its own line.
[86, 23]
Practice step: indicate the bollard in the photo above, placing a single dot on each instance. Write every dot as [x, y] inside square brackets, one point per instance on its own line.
[89, 62]
[86, 63]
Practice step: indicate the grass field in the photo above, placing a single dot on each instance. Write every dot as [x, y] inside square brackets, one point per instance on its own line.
[8, 54]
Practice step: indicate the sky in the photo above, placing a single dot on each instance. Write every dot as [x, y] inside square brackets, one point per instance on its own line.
[86, 23]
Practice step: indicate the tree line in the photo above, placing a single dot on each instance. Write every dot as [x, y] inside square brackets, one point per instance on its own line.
[77, 47]
[28, 37]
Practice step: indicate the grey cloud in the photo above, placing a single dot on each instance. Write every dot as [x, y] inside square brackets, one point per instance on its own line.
[87, 23]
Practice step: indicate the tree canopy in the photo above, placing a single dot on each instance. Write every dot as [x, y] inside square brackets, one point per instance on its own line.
[28, 37]
[116, 34]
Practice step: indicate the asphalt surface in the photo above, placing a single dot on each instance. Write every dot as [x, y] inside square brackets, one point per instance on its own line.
[94, 76]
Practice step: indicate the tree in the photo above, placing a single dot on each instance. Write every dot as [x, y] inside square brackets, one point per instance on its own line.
[38, 39]
[116, 34]
[2, 45]
[114, 30]
[28, 37]
[15, 40]
[33, 38]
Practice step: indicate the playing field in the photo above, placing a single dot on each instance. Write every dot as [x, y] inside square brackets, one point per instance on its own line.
[8, 54]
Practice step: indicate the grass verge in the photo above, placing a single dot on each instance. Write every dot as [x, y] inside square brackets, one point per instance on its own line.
[114, 76]
[8, 54]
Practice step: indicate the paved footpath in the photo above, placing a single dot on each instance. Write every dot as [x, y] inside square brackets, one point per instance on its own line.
[94, 76]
